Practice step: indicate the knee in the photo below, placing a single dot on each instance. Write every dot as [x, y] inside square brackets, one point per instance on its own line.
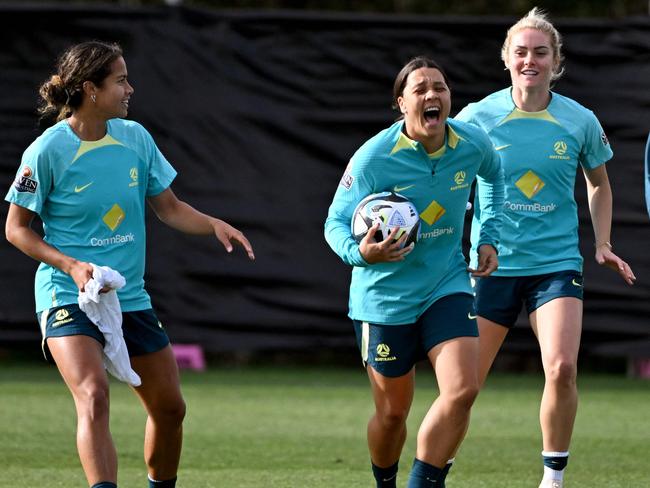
[392, 416]
[562, 373]
[170, 412]
[463, 398]
[93, 401]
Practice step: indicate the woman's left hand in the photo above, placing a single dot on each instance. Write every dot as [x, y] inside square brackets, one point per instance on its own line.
[487, 261]
[227, 234]
[605, 257]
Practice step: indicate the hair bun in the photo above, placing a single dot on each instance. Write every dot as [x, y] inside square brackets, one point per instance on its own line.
[56, 81]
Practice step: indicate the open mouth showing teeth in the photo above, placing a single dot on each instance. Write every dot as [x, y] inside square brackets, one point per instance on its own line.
[431, 114]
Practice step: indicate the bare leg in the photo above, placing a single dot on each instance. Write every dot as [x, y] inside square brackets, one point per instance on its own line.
[491, 337]
[387, 427]
[558, 326]
[161, 396]
[443, 428]
[79, 359]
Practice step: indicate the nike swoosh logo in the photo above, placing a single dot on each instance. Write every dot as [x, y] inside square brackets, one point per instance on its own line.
[78, 189]
[398, 189]
[575, 283]
[388, 479]
[470, 316]
[498, 148]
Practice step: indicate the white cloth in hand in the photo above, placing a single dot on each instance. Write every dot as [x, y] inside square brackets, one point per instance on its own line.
[103, 309]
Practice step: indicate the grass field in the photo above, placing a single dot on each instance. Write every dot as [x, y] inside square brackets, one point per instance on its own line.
[305, 427]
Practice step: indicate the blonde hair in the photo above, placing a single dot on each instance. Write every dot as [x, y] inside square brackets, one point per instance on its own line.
[538, 19]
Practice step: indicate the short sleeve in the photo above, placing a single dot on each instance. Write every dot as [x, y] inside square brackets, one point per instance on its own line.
[596, 149]
[161, 172]
[33, 180]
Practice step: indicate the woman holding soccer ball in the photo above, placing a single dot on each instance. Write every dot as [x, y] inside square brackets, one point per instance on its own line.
[415, 302]
[542, 138]
[88, 178]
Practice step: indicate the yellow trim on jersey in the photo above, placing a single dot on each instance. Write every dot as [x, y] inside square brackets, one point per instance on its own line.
[520, 114]
[403, 142]
[452, 137]
[86, 146]
[438, 153]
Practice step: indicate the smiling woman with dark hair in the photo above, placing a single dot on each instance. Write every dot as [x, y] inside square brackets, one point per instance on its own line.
[413, 303]
[88, 178]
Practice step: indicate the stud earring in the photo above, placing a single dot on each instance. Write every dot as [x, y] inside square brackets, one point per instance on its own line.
[93, 98]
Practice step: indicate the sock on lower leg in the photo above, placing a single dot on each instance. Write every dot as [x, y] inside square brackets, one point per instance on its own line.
[445, 471]
[425, 475]
[554, 464]
[104, 484]
[385, 477]
[162, 484]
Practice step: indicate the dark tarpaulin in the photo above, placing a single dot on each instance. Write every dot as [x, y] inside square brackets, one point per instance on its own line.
[260, 112]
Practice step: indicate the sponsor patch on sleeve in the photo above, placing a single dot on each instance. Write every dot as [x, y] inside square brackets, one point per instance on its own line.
[603, 138]
[24, 184]
[347, 179]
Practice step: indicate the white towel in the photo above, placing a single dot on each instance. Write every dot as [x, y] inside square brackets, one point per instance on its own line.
[104, 310]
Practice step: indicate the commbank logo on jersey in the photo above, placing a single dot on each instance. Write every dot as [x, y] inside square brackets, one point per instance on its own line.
[530, 184]
[133, 173]
[114, 217]
[432, 213]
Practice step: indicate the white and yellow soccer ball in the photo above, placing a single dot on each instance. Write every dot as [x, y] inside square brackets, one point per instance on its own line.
[390, 210]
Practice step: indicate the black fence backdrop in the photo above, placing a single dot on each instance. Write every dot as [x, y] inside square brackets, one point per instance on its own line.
[260, 113]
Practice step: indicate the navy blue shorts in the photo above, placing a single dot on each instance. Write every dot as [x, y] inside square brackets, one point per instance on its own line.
[393, 350]
[143, 332]
[499, 298]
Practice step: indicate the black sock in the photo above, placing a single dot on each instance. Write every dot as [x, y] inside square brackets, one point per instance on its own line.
[385, 477]
[425, 475]
[162, 484]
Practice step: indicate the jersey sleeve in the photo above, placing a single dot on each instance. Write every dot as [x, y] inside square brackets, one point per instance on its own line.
[490, 187]
[355, 185]
[161, 172]
[596, 149]
[466, 115]
[33, 180]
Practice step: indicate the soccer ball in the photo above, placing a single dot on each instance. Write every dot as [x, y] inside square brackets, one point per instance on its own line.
[390, 210]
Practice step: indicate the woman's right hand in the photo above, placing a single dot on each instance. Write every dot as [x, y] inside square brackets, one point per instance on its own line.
[81, 272]
[387, 251]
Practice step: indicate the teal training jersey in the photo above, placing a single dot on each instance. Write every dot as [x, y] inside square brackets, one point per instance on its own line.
[91, 199]
[540, 153]
[398, 293]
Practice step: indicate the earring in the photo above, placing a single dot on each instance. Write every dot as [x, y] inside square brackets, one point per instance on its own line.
[93, 98]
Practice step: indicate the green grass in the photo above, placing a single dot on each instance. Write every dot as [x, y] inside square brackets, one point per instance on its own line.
[305, 427]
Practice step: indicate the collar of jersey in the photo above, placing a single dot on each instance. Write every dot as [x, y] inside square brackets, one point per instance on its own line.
[405, 142]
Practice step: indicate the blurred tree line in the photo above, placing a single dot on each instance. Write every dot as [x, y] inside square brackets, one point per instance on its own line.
[558, 8]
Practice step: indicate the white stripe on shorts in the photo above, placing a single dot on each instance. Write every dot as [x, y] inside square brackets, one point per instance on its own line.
[365, 341]
[43, 325]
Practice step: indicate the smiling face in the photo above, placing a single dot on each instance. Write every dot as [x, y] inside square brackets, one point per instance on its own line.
[425, 103]
[531, 60]
[112, 97]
